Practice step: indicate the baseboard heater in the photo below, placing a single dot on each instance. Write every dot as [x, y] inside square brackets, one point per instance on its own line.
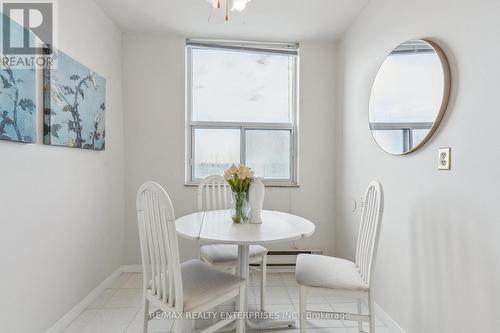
[284, 260]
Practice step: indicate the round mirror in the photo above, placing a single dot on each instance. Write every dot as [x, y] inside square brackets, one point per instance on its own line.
[409, 96]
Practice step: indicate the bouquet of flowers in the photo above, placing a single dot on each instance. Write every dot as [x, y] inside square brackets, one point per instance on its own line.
[239, 179]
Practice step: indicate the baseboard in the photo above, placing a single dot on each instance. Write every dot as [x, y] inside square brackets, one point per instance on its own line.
[62, 323]
[131, 269]
[390, 323]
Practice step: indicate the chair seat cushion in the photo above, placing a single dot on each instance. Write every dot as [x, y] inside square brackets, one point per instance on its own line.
[328, 272]
[202, 283]
[227, 254]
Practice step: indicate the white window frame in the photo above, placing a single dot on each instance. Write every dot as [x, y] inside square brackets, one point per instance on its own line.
[191, 126]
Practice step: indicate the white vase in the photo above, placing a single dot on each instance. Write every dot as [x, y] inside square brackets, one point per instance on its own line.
[256, 200]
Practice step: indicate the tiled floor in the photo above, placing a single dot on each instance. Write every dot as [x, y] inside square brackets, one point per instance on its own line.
[118, 309]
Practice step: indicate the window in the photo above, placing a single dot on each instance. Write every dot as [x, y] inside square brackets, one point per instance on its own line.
[241, 108]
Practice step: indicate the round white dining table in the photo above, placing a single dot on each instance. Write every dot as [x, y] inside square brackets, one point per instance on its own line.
[217, 227]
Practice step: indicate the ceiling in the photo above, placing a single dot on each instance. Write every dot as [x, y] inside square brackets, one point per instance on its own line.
[266, 20]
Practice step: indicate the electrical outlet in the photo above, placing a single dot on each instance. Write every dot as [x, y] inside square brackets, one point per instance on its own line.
[444, 158]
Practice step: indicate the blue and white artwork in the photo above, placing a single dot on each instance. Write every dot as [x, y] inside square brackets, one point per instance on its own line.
[74, 105]
[17, 95]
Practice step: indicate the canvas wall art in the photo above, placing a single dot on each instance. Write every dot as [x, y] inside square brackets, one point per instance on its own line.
[17, 106]
[17, 97]
[74, 105]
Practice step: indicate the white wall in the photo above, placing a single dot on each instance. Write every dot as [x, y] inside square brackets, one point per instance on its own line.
[61, 209]
[438, 267]
[155, 123]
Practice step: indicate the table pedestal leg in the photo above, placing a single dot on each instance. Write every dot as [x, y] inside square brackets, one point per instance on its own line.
[243, 257]
[243, 264]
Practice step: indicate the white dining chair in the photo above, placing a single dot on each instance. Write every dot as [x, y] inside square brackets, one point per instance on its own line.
[214, 194]
[346, 278]
[192, 286]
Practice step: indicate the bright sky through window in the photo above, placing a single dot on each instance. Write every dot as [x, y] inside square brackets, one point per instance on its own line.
[241, 87]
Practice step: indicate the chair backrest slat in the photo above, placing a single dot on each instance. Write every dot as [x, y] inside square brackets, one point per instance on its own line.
[155, 232]
[225, 197]
[213, 190]
[159, 247]
[369, 231]
[219, 194]
[365, 237]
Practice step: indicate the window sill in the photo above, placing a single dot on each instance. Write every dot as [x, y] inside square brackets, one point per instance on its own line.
[271, 184]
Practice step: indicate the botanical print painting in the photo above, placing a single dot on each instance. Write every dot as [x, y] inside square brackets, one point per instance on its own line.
[17, 107]
[17, 97]
[74, 105]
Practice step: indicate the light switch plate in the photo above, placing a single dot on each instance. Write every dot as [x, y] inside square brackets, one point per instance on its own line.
[444, 159]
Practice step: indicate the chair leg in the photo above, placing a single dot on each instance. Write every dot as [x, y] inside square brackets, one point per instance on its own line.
[360, 323]
[371, 310]
[146, 316]
[240, 322]
[263, 276]
[303, 308]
